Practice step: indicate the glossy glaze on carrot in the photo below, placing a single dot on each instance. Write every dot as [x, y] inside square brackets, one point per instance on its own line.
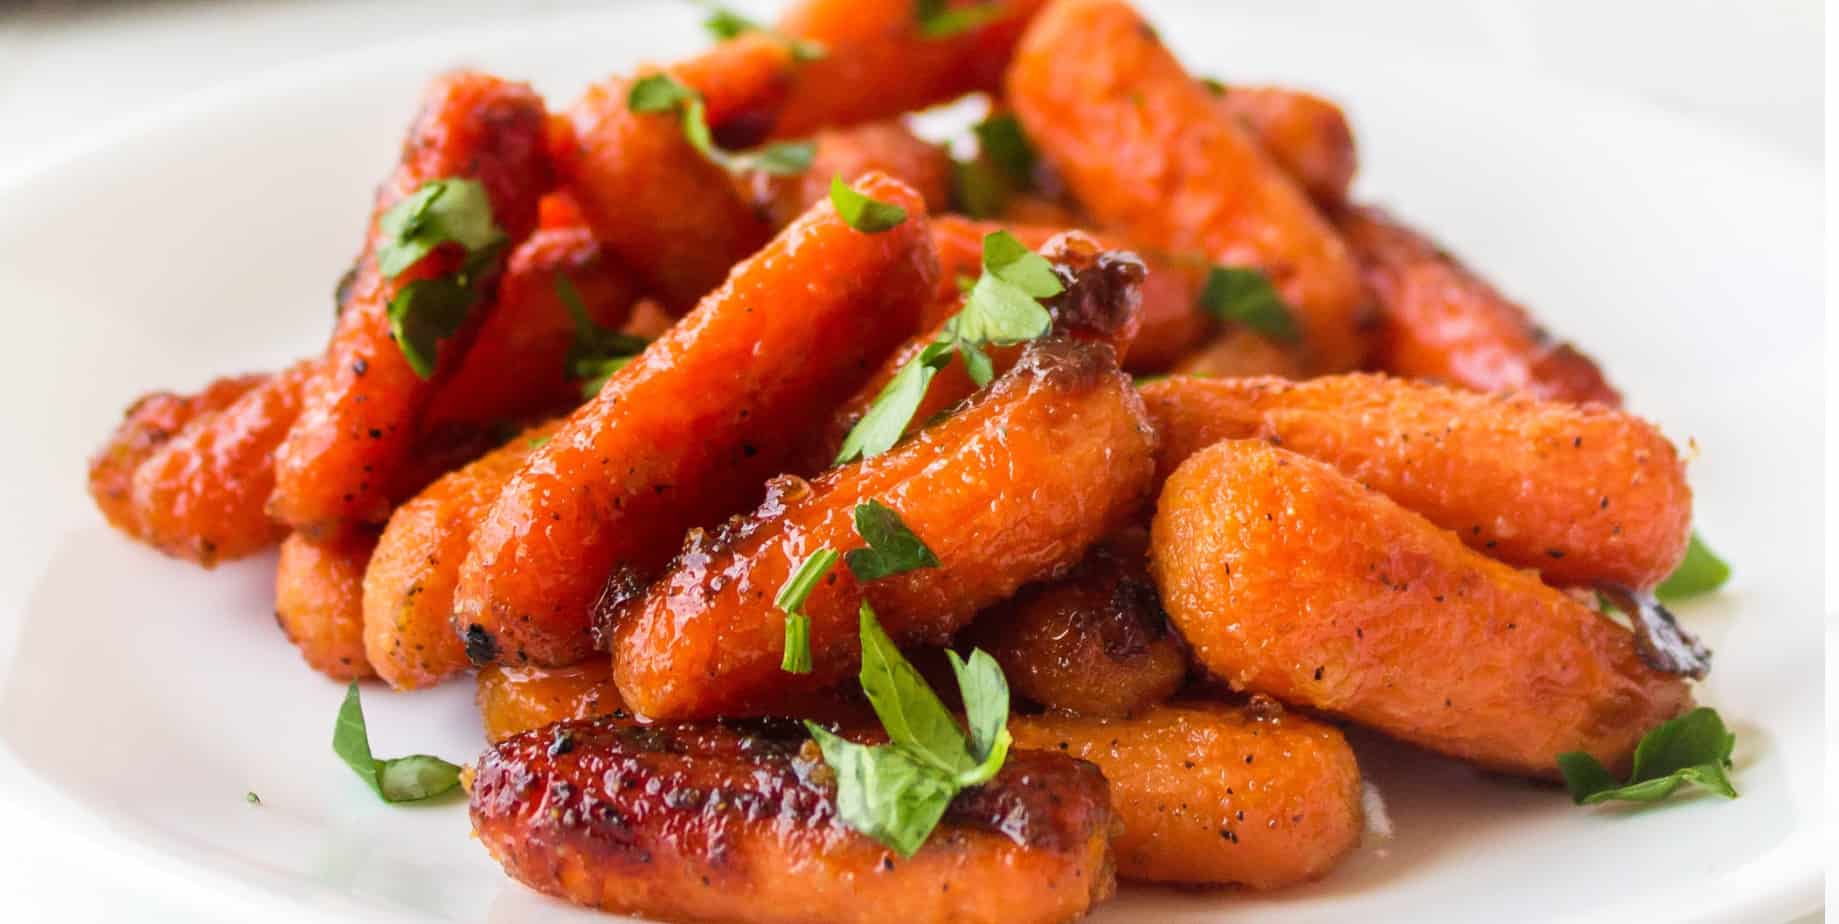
[1289, 578]
[1584, 495]
[343, 457]
[319, 600]
[520, 699]
[1010, 489]
[720, 822]
[688, 432]
[1304, 134]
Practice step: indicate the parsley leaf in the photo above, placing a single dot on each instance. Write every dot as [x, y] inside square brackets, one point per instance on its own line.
[441, 211]
[892, 547]
[596, 352]
[662, 93]
[1700, 572]
[724, 24]
[937, 20]
[397, 779]
[427, 311]
[986, 705]
[1694, 748]
[1214, 85]
[1000, 141]
[884, 792]
[977, 189]
[791, 601]
[870, 216]
[912, 714]
[1246, 296]
[886, 419]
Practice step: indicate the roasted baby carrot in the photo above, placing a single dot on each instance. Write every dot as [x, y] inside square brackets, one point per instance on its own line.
[1304, 134]
[1211, 794]
[319, 600]
[1240, 353]
[149, 423]
[518, 699]
[409, 632]
[717, 823]
[1008, 490]
[1439, 320]
[1094, 642]
[342, 459]
[1289, 578]
[850, 152]
[1585, 495]
[688, 432]
[1146, 150]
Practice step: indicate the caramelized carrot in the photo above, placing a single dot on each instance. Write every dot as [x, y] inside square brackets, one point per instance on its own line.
[1289, 578]
[1439, 320]
[1146, 150]
[1586, 496]
[518, 699]
[1008, 490]
[888, 147]
[149, 423]
[343, 457]
[689, 430]
[715, 823]
[319, 591]
[1240, 353]
[1304, 134]
[1211, 794]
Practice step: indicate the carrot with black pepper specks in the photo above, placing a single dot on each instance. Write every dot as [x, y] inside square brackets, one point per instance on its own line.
[319, 600]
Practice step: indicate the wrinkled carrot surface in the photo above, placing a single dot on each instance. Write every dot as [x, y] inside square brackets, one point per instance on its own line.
[319, 600]
[149, 423]
[1304, 134]
[690, 430]
[1289, 578]
[1585, 495]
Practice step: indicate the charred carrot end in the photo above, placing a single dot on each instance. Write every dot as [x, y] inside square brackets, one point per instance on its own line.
[149, 423]
[1290, 579]
[710, 822]
[319, 601]
[409, 633]
[1093, 643]
[1094, 87]
[1306, 135]
[1584, 495]
[1439, 320]
[1211, 794]
[518, 699]
[344, 459]
[1008, 490]
[889, 147]
[689, 431]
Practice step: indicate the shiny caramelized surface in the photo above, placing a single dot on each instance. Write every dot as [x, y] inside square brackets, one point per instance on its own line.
[1291, 579]
[725, 822]
[1585, 495]
[520, 699]
[319, 600]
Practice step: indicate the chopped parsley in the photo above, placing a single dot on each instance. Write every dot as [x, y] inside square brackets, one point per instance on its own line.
[662, 93]
[596, 352]
[938, 20]
[892, 547]
[870, 216]
[1700, 572]
[396, 779]
[1245, 296]
[724, 23]
[1004, 166]
[791, 601]
[427, 311]
[1694, 748]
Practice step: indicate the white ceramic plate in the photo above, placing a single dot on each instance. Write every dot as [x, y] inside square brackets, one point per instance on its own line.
[140, 698]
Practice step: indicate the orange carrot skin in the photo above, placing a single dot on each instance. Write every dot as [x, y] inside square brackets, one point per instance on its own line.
[319, 590]
[1304, 134]
[1146, 150]
[1439, 320]
[1584, 495]
[149, 423]
[203, 495]
[1211, 794]
[1008, 490]
[409, 635]
[688, 432]
[1240, 353]
[342, 459]
[1094, 642]
[518, 699]
[714, 822]
[1289, 578]
[887, 146]
[878, 65]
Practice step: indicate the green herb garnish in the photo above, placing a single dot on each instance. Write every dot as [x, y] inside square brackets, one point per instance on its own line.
[427, 311]
[892, 547]
[1245, 296]
[1000, 141]
[1214, 85]
[662, 93]
[894, 406]
[397, 779]
[1700, 572]
[870, 216]
[1694, 748]
[897, 792]
[791, 601]
[938, 20]
[596, 352]
[251, 798]
[724, 24]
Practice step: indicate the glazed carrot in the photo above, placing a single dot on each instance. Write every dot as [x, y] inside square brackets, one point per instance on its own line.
[1014, 487]
[1289, 578]
[1239, 353]
[319, 590]
[1439, 320]
[1211, 794]
[849, 153]
[1027, 208]
[688, 431]
[878, 64]
[1146, 150]
[668, 213]
[1584, 495]
[1094, 642]
[202, 495]
[517, 367]
[1304, 134]
[692, 822]
[409, 633]
[342, 459]
[518, 699]
[149, 423]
